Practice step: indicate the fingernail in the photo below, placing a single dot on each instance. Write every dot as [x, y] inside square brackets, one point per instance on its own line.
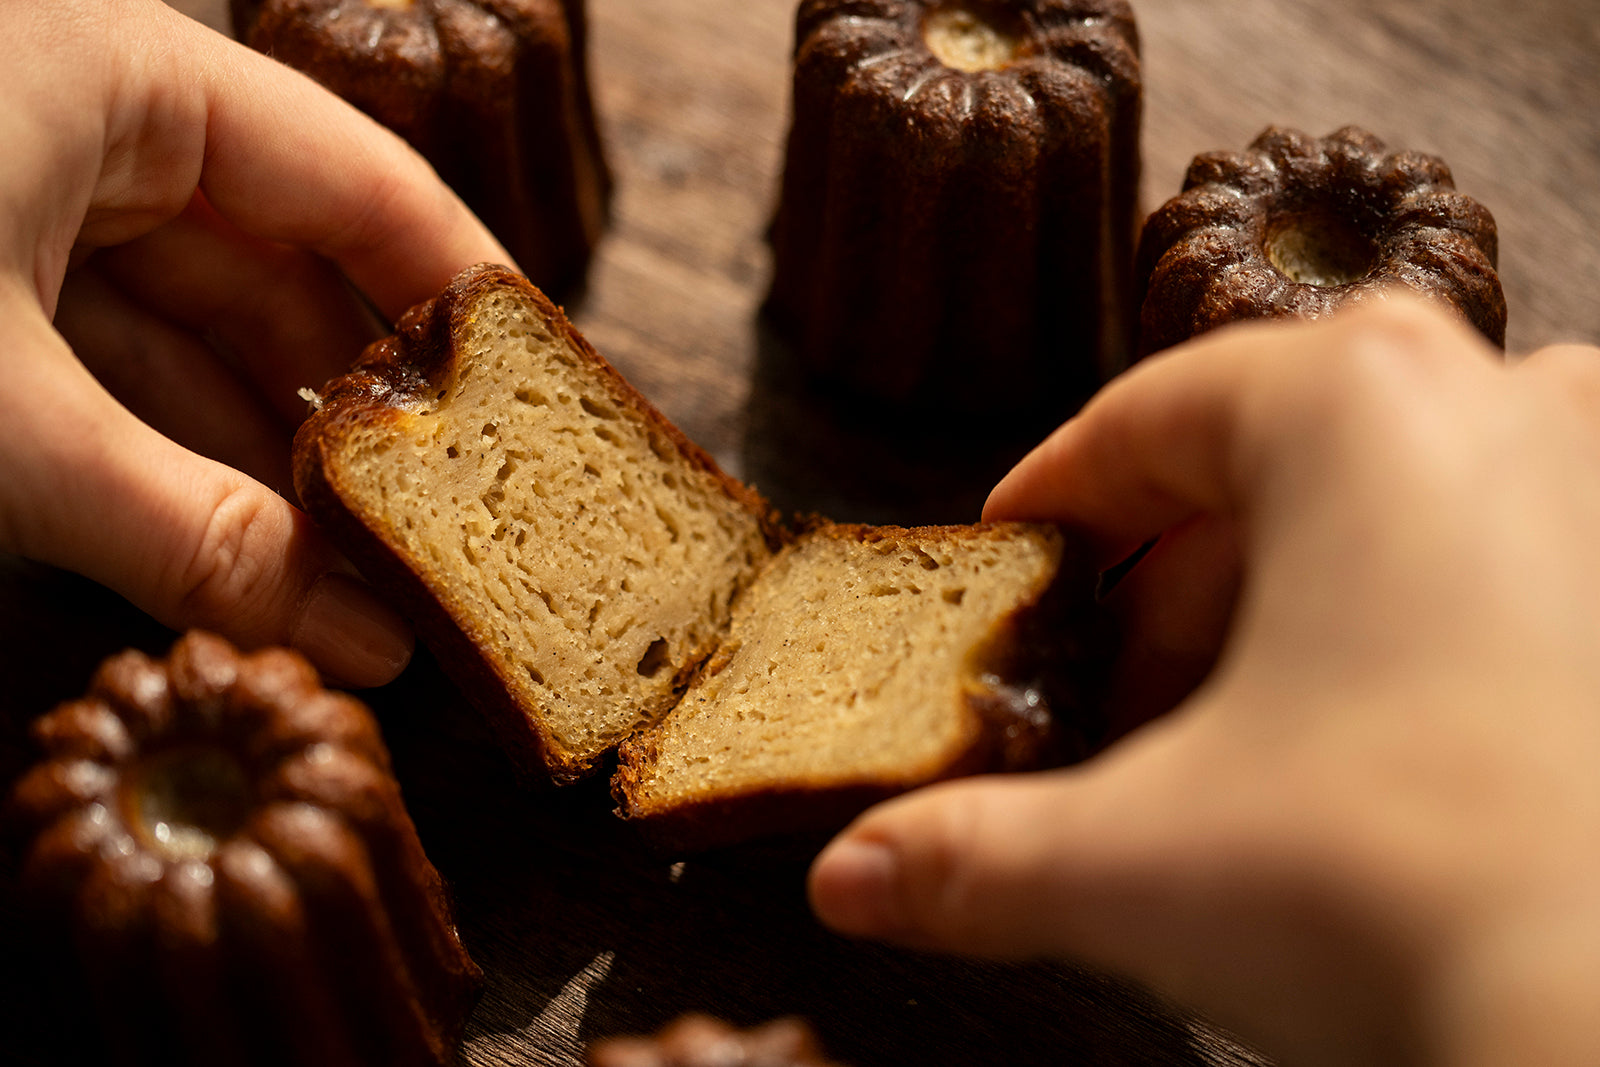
[853, 888]
[351, 636]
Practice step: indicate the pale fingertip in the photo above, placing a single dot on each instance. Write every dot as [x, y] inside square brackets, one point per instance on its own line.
[852, 886]
[1022, 493]
[349, 634]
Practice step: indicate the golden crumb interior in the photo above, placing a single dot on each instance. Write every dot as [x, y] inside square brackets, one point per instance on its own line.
[568, 536]
[963, 39]
[847, 661]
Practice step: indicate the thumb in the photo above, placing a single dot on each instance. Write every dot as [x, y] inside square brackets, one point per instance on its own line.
[1121, 861]
[1162, 859]
[994, 866]
[193, 542]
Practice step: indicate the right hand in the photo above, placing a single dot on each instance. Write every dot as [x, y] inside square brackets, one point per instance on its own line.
[1372, 834]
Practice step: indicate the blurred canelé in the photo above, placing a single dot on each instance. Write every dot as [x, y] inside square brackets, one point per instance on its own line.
[494, 93]
[219, 869]
[1301, 226]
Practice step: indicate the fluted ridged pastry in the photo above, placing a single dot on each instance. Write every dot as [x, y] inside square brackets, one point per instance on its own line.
[957, 214]
[1301, 226]
[219, 849]
[494, 93]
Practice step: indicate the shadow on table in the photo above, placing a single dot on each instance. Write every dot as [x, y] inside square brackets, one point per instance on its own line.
[812, 449]
[583, 932]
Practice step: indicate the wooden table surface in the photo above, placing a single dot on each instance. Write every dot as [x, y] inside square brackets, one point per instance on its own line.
[582, 934]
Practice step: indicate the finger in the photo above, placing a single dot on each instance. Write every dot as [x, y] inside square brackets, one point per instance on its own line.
[289, 319]
[1573, 369]
[194, 543]
[1148, 864]
[175, 106]
[331, 180]
[1127, 467]
[1003, 866]
[172, 381]
[1173, 609]
[1195, 430]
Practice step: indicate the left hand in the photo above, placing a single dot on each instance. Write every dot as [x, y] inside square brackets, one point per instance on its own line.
[188, 225]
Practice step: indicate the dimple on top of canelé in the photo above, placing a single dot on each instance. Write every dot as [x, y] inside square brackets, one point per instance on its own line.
[970, 54]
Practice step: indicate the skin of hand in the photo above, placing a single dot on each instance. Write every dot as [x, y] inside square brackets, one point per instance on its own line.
[188, 224]
[1371, 832]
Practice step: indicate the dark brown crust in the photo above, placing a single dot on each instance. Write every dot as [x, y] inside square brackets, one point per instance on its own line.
[1058, 648]
[1049, 663]
[400, 371]
[183, 968]
[1203, 258]
[960, 241]
[493, 93]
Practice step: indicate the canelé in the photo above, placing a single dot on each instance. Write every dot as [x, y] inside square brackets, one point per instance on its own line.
[1301, 226]
[956, 220]
[217, 857]
[494, 93]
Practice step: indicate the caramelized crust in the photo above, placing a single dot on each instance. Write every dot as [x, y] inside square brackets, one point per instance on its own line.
[1302, 226]
[222, 844]
[958, 207]
[493, 93]
[567, 553]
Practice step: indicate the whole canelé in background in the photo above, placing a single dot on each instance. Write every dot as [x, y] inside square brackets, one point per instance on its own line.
[218, 863]
[1301, 226]
[958, 209]
[494, 93]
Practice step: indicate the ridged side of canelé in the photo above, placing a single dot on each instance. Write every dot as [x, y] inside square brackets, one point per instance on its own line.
[1204, 257]
[312, 931]
[866, 661]
[494, 93]
[955, 241]
[486, 439]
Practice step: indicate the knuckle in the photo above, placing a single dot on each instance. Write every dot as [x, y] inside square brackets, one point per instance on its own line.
[230, 577]
[392, 185]
[1377, 359]
[1380, 338]
[1571, 363]
[947, 895]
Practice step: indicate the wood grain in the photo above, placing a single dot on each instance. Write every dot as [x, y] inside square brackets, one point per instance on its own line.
[581, 932]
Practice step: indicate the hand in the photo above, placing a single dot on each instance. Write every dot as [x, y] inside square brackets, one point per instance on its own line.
[192, 216]
[1372, 833]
